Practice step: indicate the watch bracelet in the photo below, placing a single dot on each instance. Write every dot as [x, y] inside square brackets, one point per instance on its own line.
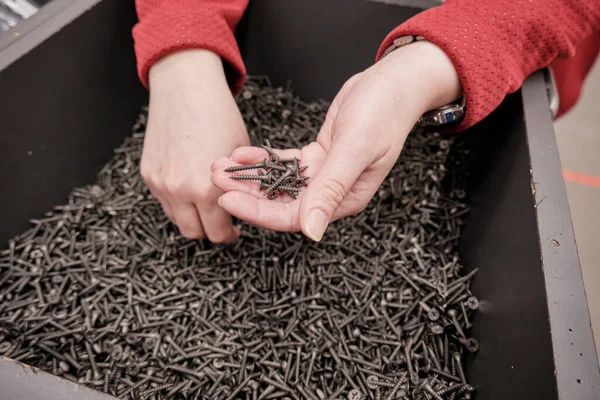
[403, 41]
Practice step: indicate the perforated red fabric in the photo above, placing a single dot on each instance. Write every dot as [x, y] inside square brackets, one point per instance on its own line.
[166, 26]
[494, 44]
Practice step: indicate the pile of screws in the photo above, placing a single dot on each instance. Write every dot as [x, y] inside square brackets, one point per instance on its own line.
[280, 175]
[105, 292]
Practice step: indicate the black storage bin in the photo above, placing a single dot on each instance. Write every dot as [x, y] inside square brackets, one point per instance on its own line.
[69, 94]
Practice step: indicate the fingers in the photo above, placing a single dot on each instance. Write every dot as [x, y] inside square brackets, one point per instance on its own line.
[201, 219]
[217, 223]
[262, 212]
[188, 221]
[250, 155]
[205, 220]
[166, 206]
[342, 167]
[223, 181]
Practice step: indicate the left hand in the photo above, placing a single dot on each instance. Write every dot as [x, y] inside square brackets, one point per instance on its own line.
[357, 146]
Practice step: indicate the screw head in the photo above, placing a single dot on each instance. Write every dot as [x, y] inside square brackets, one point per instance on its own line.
[433, 314]
[35, 254]
[338, 377]
[355, 394]
[53, 297]
[436, 329]
[472, 303]
[414, 378]
[372, 382]
[116, 353]
[456, 356]
[472, 345]
[149, 343]
[392, 368]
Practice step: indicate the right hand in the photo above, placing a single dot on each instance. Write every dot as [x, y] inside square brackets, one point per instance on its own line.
[193, 120]
[346, 164]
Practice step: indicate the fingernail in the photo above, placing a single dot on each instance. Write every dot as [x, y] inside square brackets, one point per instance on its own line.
[316, 223]
[219, 201]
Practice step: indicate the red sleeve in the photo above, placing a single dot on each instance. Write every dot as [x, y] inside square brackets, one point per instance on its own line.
[496, 44]
[570, 73]
[166, 26]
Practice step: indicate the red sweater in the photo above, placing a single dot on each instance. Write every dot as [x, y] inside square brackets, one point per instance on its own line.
[494, 44]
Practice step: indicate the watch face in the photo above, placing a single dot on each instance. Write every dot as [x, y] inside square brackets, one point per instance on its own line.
[446, 115]
[449, 116]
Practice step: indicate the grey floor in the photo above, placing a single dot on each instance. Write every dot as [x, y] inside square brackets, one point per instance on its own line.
[578, 135]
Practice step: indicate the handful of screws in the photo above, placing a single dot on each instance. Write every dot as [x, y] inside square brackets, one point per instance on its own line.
[280, 175]
[104, 291]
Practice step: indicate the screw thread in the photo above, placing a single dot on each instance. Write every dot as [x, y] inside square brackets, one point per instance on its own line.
[385, 384]
[236, 168]
[433, 357]
[311, 365]
[464, 389]
[134, 387]
[242, 372]
[395, 352]
[155, 390]
[297, 369]
[88, 348]
[449, 389]
[245, 167]
[250, 177]
[349, 379]
[214, 386]
[289, 188]
[107, 378]
[459, 368]
[395, 389]
[277, 183]
[446, 352]
[432, 392]
[276, 384]
[409, 364]
[12, 348]
[239, 388]
[267, 146]
[277, 167]
[338, 392]
[374, 373]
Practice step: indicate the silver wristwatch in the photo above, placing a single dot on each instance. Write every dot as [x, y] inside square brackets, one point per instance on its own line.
[449, 114]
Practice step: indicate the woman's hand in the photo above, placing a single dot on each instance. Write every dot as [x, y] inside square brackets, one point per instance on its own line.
[360, 141]
[193, 120]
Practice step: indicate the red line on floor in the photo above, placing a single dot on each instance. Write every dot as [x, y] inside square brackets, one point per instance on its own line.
[581, 178]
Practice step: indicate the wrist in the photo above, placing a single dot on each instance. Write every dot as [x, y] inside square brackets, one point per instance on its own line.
[188, 69]
[425, 72]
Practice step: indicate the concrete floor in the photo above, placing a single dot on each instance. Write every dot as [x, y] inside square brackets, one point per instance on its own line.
[578, 135]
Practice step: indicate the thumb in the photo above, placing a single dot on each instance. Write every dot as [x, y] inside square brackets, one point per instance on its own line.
[326, 191]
